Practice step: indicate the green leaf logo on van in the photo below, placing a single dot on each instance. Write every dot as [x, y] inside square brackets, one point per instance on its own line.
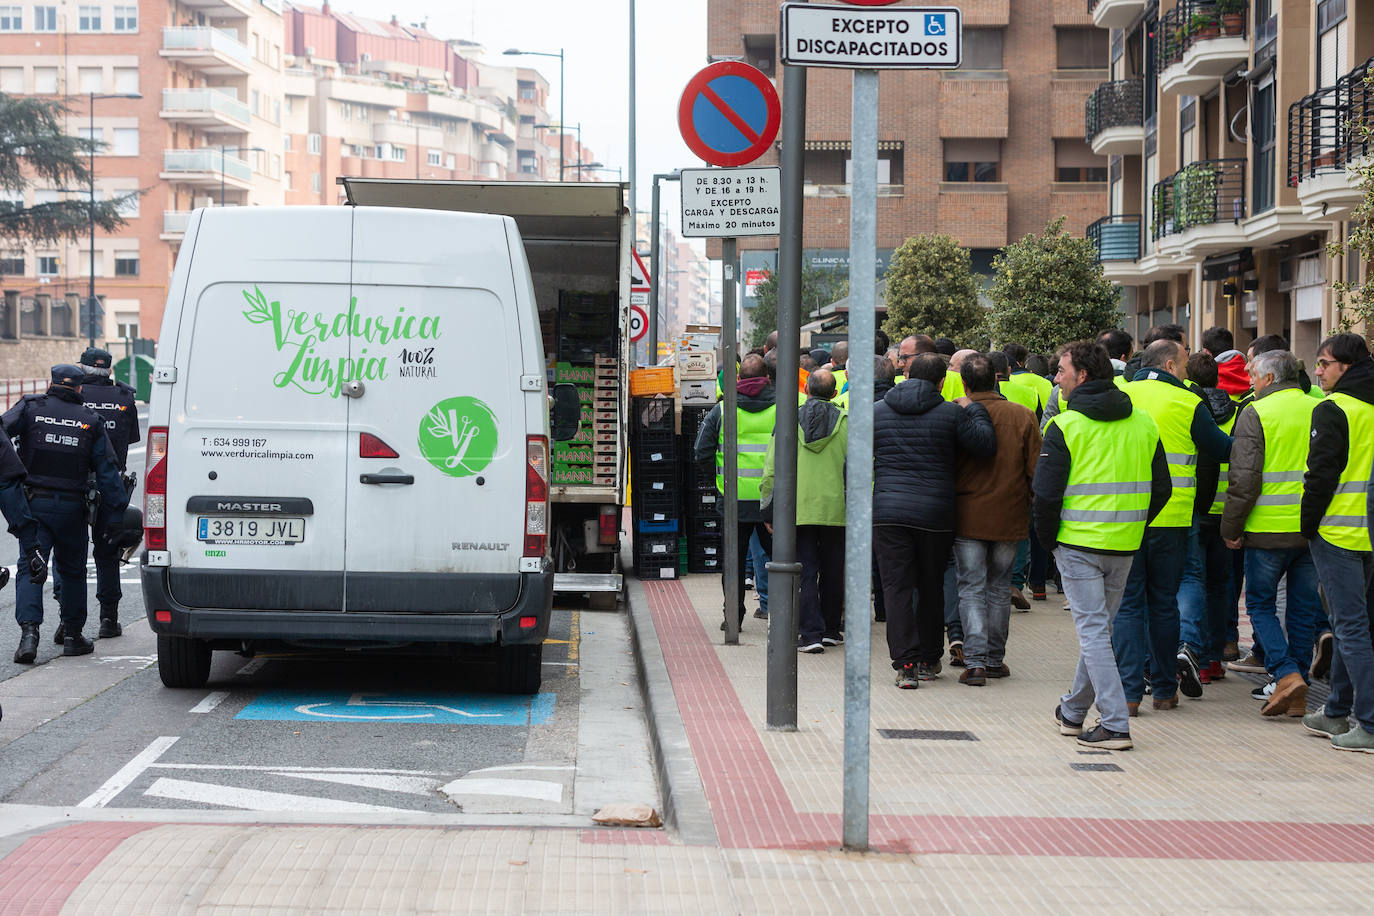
[459, 436]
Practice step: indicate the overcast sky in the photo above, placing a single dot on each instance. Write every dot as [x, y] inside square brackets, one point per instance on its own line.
[595, 38]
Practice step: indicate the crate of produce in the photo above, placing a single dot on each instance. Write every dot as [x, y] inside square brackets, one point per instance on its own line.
[568, 453]
[646, 382]
[653, 445]
[564, 372]
[571, 475]
[652, 413]
[708, 546]
[606, 370]
[696, 365]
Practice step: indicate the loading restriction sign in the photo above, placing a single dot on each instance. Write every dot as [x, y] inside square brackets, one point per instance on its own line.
[729, 113]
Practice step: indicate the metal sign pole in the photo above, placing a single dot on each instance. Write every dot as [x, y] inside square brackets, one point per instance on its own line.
[858, 545]
[730, 447]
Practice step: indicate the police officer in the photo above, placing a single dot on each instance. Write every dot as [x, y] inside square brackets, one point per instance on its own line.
[114, 401]
[61, 443]
[14, 505]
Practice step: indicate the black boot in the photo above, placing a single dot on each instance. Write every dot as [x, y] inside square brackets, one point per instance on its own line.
[109, 623]
[28, 644]
[76, 644]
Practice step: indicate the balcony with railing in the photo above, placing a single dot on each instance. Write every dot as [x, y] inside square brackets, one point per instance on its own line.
[211, 51]
[208, 109]
[221, 9]
[1200, 207]
[1113, 118]
[1114, 14]
[1116, 238]
[1328, 131]
[206, 167]
[174, 223]
[1199, 41]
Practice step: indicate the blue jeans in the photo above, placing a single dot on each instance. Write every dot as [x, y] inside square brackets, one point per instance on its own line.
[1346, 577]
[954, 627]
[1204, 597]
[62, 533]
[1147, 624]
[1289, 653]
[758, 558]
[984, 610]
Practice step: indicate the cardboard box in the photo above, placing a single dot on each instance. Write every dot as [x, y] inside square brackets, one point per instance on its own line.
[695, 392]
[694, 365]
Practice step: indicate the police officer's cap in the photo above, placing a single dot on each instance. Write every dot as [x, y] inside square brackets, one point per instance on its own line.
[94, 356]
[67, 375]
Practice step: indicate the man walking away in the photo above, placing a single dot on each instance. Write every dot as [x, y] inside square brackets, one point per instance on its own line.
[1101, 477]
[1335, 519]
[755, 412]
[1262, 514]
[993, 511]
[822, 434]
[917, 439]
[1020, 375]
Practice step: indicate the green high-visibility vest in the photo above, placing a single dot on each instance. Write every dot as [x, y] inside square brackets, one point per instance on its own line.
[1040, 385]
[1223, 473]
[754, 431]
[1286, 417]
[1346, 522]
[841, 376]
[1107, 499]
[1172, 408]
[953, 386]
[1019, 394]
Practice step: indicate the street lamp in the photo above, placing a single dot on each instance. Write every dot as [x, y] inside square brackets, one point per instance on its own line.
[91, 306]
[232, 149]
[586, 165]
[562, 92]
[674, 175]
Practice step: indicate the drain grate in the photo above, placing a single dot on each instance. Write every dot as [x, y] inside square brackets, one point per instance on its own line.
[1096, 767]
[1096, 753]
[926, 734]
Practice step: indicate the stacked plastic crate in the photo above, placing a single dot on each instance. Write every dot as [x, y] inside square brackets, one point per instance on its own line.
[654, 473]
[701, 501]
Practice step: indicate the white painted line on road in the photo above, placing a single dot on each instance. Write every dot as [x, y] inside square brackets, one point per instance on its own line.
[522, 766]
[252, 799]
[267, 769]
[411, 785]
[507, 788]
[251, 668]
[212, 699]
[128, 773]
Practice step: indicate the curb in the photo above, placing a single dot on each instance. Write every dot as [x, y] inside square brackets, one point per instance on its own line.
[685, 808]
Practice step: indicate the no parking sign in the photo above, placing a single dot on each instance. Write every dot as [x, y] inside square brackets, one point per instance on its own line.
[729, 113]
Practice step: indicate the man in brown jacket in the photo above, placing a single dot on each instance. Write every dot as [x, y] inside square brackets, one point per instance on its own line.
[993, 517]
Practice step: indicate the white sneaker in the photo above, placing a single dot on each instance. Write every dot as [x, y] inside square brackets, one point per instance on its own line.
[1265, 692]
[811, 648]
[748, 583]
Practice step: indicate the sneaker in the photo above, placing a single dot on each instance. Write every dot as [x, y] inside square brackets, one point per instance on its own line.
[1357, 739]
[1066, 725]
[1204, 674]
[1230, 652]
[1019, 601]
[748, 583]
[832, 640]
[1189, 678]
[1321, 656]
[811, 648]
[1002, 670]
[1263, 691]
[906, 677]
[1319, 723]
[956, 654]
[1216, 671]
[1038, 593]
[928, 671]
[761, 613]
[1249, 664]
[1067, 606]
[1105, 739]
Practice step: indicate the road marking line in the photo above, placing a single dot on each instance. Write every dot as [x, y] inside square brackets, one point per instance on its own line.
[212, 699]
[507, 788]
[291, 769]
[523, 766]
[251, 668]
[128, 773]
[253, 799]
[411, 785]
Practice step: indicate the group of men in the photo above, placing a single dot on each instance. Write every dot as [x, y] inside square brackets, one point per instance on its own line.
[63, 484]
[1162, 485]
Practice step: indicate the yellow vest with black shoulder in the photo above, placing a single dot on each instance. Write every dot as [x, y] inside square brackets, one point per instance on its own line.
[1107, 498]
[1346, 522]
[841, 377]
[1172, 408]
[754, 431]
[1286, 418]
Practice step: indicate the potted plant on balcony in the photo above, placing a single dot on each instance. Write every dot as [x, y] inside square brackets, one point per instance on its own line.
[1232, 14]
[1204, 24]
[1195, 195]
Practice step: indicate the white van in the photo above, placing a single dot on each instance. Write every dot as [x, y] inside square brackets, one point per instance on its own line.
[348, 441]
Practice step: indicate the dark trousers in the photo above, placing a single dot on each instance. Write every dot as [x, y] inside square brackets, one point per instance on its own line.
[746, 530]
[1146, 629]
[820, 550]
[106, 556]
[62, 533]
[912, 559]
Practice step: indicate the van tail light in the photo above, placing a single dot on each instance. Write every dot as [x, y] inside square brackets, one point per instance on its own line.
[536, 496]
[155, 490]
[369, 446]
[608, 528]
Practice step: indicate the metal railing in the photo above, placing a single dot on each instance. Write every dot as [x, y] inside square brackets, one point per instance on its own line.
[174, 222]
[203, 38]
[1326, 129]
[1205, 192]
[15, 388]
[1116, 238]
[205, 160]
[193, 100]
[1116, 104]
[1193, 21]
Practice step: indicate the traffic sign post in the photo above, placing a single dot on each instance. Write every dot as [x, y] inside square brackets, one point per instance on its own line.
[639, 324]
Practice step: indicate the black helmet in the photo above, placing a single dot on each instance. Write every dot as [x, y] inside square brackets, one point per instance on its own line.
[128, 533]
[94, 356]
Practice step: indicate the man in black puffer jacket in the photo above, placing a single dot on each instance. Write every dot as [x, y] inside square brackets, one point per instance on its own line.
[917, 438]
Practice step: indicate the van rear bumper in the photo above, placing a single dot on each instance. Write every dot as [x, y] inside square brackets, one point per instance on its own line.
[535, 600]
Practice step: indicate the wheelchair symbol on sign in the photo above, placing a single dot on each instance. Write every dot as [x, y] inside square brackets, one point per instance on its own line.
[935, 23]
[360, 701]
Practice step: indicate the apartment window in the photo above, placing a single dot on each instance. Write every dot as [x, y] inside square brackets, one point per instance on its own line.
[48, 196]
[276, 165]
[1332, 41]
[286, 180]
[96, 136]
[313, 144]
[973, 160]
[346, 111]
[126, 19]
[45, 19]
[435, 157]
[12, 80]
[290, 105]
[47, 265]
[1187, 129]
[88, 18]
[398, 154]
[90, 79]
[315, 182]
[1081, 49]
[450, 161]
[128, 204]
[276, 111]
[12, 263]
[1262, 132]
[982, 49]
[526, 93]
[125, 141]
[45, 80]
[126, 79]
[380, 150]
[126, 327]
[11, 18]
[1074, 161]
[126, 263]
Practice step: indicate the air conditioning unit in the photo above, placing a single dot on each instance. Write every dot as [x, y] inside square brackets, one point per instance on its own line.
[204, 202]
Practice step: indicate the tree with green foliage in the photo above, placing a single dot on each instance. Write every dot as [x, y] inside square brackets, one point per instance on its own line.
[931, 290]
[820, 287]
[1048, 289]
[34, 150]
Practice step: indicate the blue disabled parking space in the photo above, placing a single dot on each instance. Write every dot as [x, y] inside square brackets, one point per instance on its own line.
[401, 708]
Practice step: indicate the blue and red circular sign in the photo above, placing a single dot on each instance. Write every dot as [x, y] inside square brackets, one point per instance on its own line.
[729, 113]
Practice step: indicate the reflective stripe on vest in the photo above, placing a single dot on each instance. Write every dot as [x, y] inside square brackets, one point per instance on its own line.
[1223, 473]
[1107, 498]
[755, 430]
[1346, 522]
[1172, 408]
[1286, 418]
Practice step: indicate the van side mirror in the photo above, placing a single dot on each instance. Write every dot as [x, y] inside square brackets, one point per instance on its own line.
[565, 417]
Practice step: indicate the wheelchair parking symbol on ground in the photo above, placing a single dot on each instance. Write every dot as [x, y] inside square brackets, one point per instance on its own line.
[424, 709]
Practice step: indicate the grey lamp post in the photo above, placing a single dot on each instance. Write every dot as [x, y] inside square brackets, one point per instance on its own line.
[91, 207]
[562, 93]
[232, 149]
[675, 175]
[590, 166]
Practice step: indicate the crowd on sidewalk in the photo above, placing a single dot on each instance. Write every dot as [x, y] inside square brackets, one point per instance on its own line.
[1155, 487]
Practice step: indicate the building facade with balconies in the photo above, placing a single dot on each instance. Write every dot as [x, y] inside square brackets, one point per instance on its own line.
[1230, 126]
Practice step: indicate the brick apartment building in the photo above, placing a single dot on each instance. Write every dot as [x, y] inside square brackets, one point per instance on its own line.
[1230, 126]
[987, 153]
[239, 102]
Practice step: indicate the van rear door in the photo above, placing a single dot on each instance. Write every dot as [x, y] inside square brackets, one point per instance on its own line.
[436, 459]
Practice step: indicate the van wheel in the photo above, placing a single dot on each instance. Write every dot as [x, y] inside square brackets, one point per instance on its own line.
[183, 662]
[518, 668]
